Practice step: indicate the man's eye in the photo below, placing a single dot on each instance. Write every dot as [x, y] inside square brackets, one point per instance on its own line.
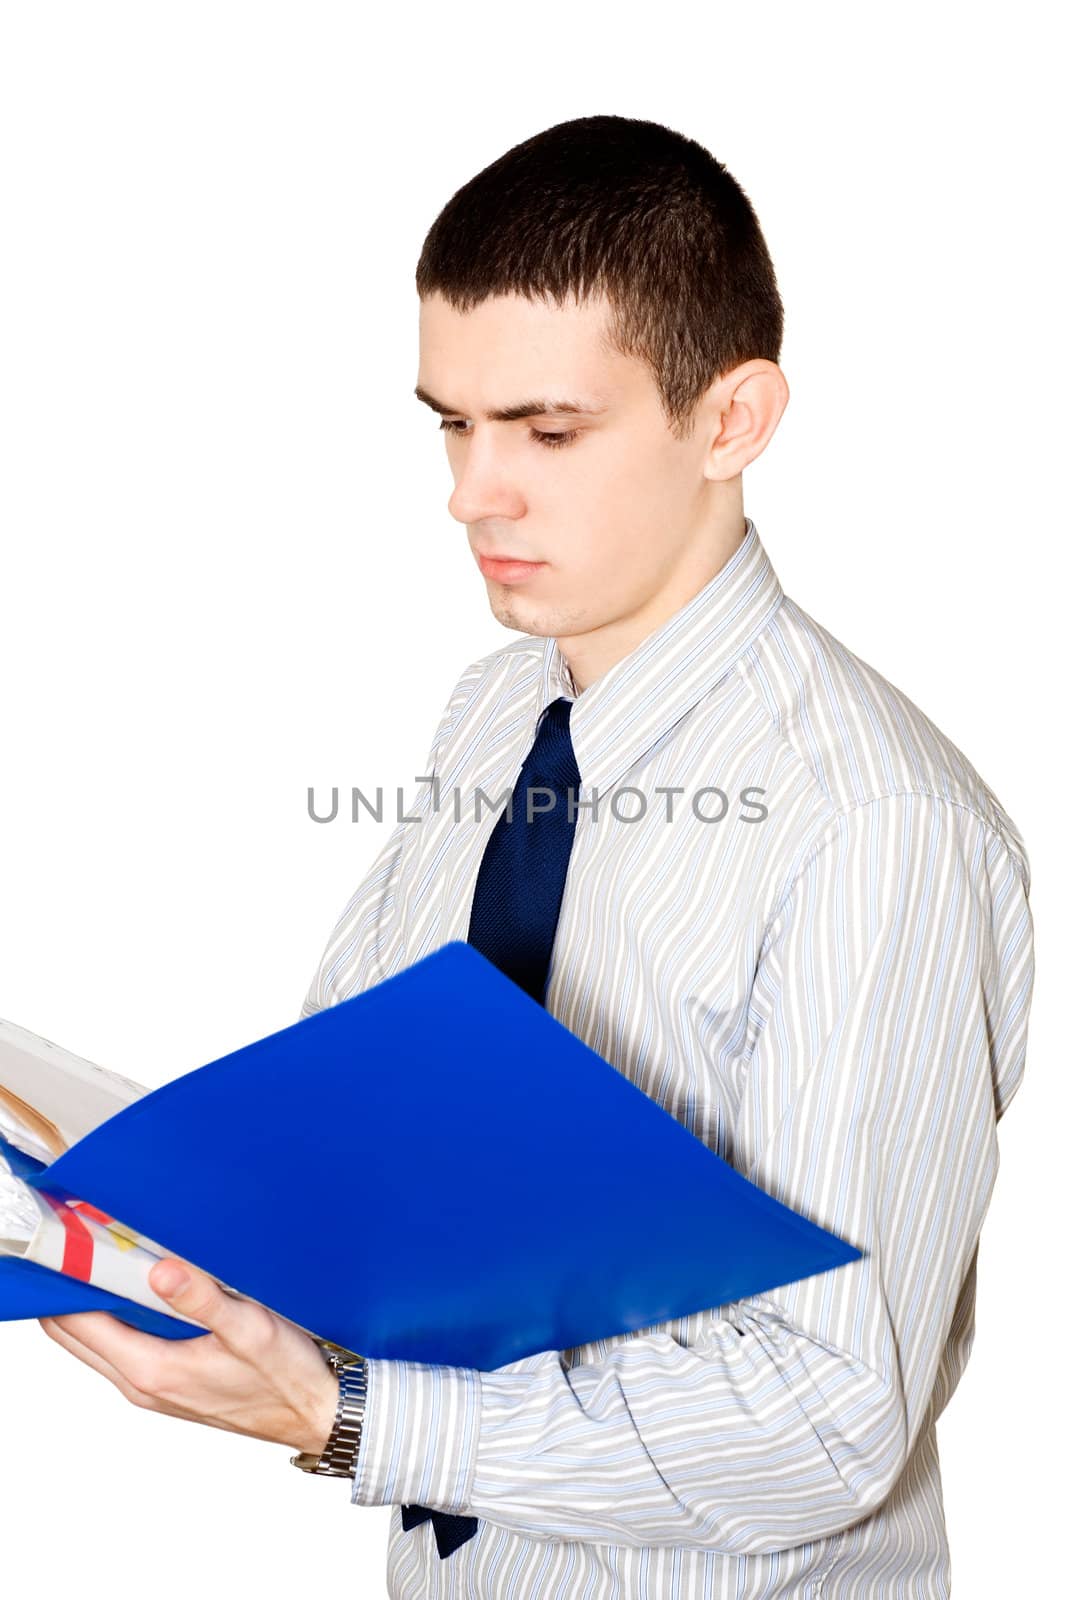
[554, 440]
[551, 441]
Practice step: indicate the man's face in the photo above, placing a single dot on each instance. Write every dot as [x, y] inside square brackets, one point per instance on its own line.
[607, 511]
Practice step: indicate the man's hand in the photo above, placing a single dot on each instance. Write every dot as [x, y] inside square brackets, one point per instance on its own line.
[253, 1373]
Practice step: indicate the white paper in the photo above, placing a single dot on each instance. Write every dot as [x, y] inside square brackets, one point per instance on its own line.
[71, 1093]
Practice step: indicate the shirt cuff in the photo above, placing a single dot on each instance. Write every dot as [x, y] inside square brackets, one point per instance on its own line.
[420, 1435]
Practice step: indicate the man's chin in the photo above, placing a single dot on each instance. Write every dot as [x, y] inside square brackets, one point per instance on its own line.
[510, 611]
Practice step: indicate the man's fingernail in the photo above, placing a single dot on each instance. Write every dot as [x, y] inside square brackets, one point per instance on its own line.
[169, 1280]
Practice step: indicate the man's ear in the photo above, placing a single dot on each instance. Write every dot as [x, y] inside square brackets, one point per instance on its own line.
[740, 412]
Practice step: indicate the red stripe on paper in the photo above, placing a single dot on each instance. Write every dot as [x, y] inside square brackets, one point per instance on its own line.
[77, 1241]
[91, 1211]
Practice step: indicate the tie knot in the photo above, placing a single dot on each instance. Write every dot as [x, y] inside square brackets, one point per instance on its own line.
[551, 756]
[558, 713]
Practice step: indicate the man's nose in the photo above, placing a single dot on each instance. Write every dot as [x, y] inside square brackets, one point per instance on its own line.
[484, 487]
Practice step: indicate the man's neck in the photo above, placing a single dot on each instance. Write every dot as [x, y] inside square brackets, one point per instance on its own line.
[590, 655]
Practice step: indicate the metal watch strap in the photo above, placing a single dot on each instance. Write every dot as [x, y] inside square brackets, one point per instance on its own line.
[338, 1458]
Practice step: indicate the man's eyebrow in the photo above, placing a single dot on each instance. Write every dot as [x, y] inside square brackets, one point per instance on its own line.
[524, 408]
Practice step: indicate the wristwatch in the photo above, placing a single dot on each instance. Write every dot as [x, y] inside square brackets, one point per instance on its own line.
[339, 1455]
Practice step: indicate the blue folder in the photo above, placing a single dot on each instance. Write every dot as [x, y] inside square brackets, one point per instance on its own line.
[433, 1170]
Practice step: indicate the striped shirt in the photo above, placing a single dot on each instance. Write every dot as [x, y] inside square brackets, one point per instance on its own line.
[799, 920]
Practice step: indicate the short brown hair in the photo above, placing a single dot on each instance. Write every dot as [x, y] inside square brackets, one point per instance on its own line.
[635, 211]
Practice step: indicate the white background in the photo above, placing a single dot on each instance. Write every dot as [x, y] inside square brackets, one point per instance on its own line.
[228, 572]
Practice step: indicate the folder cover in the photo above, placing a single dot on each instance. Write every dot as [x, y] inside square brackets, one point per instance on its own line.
[436, 1170]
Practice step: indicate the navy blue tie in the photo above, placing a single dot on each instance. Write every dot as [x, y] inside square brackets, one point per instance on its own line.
[513, 921]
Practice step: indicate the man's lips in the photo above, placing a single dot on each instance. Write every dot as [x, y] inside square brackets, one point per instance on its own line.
[506, 569]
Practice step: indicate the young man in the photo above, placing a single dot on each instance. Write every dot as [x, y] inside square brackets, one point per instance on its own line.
[786, 906]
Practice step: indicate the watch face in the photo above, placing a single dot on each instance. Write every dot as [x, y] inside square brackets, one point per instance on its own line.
[337, 1355]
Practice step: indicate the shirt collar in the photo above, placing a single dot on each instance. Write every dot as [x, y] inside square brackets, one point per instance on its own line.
[638, 700]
